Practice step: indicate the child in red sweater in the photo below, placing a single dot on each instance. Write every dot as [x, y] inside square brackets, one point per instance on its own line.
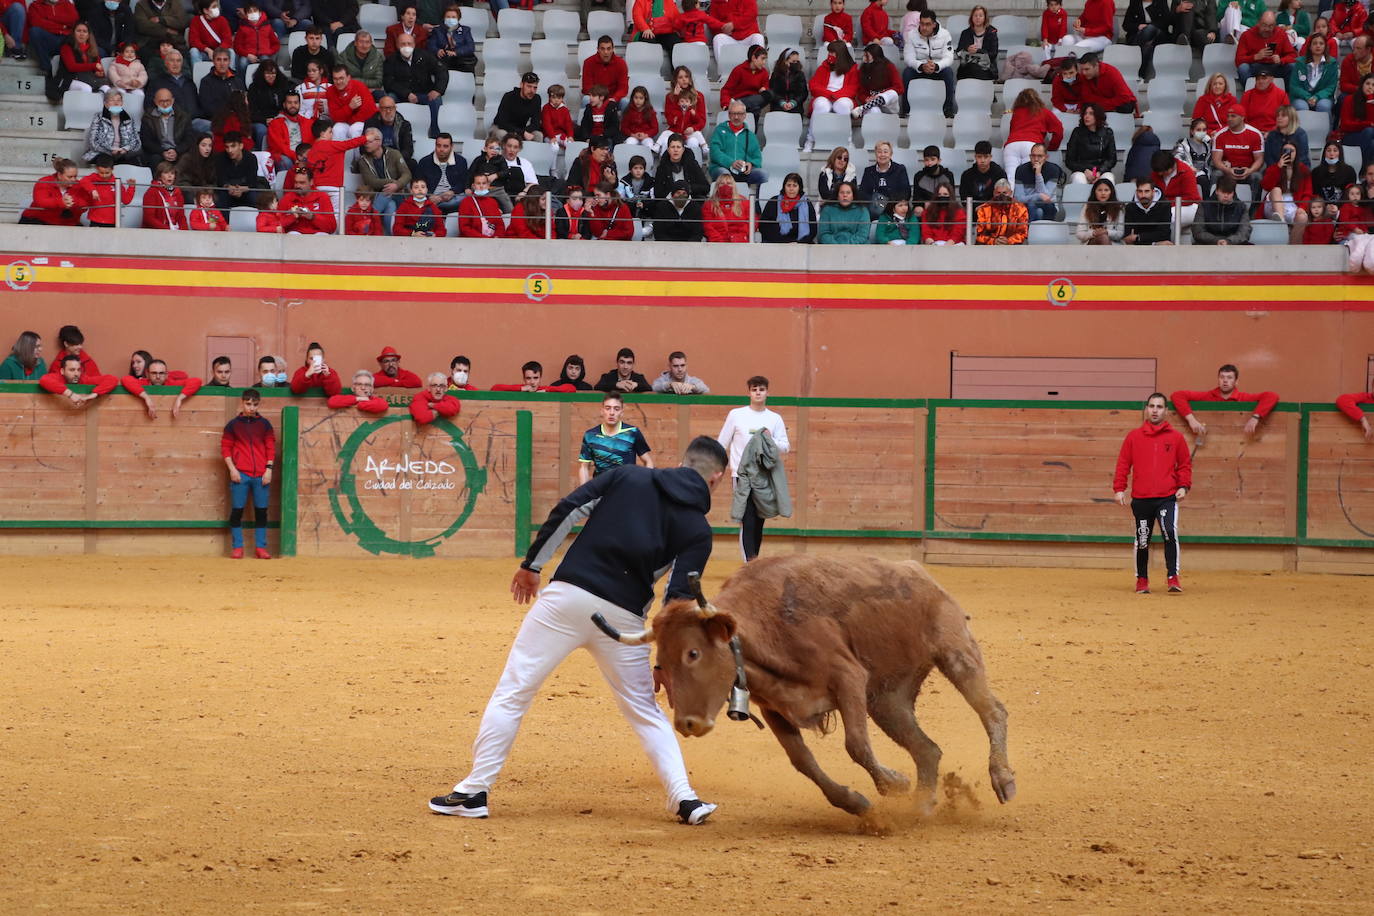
[639, 123]
[875, 24]
[361, 219]
[1054, 25]
[206, 216]
[557, 119]
[1321, 223]
[269, 217]
[837, 25]
[100, 188]
[691, 23]
[209, 31]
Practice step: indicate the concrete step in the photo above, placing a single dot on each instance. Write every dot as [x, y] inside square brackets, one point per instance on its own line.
[27, 112]
[21, 77]
[38, 147]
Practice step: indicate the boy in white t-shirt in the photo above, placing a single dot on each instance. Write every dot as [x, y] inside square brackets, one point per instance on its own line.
[740, 424]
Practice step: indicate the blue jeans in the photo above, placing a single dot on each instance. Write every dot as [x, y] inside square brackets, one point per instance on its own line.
[238, 498]
[259, 135]
[14, 22]
[1041, 209]
[1322, 105]
[947, 75]
[1365, 138]
[45, 45]
[385, 205]
[1280, 71]
[497, 6]
[755, 177]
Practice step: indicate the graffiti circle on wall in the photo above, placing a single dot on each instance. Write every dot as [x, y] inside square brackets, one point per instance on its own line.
[417, 474]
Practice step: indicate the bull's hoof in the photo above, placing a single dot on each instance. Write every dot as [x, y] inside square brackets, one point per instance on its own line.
[1004, 784]
[889, 782]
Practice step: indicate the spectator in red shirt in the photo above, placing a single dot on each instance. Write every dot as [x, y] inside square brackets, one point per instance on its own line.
[533, 373]
[306, 211]
[1321, 223]
[434, 401]
[1054, 27]
[349, 103]
[838, 25]
[1349, 404]
[1176, 181]
[163, 205]
[57, 199]
[99, 190]
[49, 25]
[361, 395]
[1288, 187]
[724, 217]
[1102, 83]
[875, 25]
[407, 17]
[71, 341]
[209, 31]
[608, 217]
[144, 370]
[1156, 458]
[1226, 390]
[248, 447]
[1266, 45]
[1356, 65]
[1031, 123]
[325, 158]
[1357, 120]
[604, 68]
[556, 119]
[748, 82]
[1262, 103]
[391, 375]
[1347, 18]
[479, 216]
[639, 122]
[1212, 105]
[1238, 150]
[527, 218]
[744, 15]
[269, 218]
[255, 39]
[287, 131]
[315, 373]
[692, 22]
[66, 372]
[206, 217]
[1092, 30]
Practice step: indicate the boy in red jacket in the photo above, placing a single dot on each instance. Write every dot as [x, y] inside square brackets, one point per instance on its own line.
[1054, 25]
[361, 218]
[100, 188]
[557, 119]
[255, 39]
[417, 215]
[1155, 455]
[206, 217]
[434, 401]
[270, 216]
[248, 447]
[1226, 390]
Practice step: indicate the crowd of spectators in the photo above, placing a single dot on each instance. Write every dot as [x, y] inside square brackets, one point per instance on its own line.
[334, 110]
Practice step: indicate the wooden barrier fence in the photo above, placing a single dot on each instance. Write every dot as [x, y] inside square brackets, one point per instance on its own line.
[950, 481]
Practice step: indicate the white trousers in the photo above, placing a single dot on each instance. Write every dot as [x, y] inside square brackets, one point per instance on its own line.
[557, 624]
[1014, 155]
[724, 41]
[342, 131]
[823, 105]
[1096, 44]
[697, 141]
[648, 143]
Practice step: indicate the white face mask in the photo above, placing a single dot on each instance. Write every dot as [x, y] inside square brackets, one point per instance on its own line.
[212, 12]
[1199, 135]
[419, 200]
[460, 377]
[480, 192]
[254, 17]
[451, 22]
[1331, 160]
[407, 51]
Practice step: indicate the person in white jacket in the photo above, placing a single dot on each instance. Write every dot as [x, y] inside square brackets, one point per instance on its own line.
[929, 55]
[740, 425]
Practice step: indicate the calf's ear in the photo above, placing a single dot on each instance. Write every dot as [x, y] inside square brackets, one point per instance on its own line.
[720, 626]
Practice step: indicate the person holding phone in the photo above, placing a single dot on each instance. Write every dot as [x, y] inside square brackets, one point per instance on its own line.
[1265, 46]
[316, 374]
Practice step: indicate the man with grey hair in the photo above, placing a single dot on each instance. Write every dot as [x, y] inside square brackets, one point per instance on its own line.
[735, 149]
[434, 401]
[384, 172]
[363, 61]
[176, 80]
[360, 395]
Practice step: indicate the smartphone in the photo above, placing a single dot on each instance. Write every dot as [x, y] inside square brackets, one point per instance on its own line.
[317, 361]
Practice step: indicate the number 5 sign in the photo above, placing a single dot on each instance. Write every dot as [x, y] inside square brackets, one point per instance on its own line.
[538, 286]
[19, 275]
[1060, 291]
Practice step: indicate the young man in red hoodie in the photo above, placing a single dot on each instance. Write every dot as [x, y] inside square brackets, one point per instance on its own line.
[533, 373]
[65, 373]
[306, 211]
[1226, 390]
[325, 158]
[1155, 455]
[605, 69]
[248, 447]
[1102, 83]
[288, 130]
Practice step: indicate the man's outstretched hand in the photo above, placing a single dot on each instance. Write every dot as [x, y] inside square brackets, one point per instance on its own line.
[525, 585]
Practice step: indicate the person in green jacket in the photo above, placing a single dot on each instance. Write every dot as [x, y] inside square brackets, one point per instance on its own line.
[1292, 16]
[1312, 81]
[25, 362]
[363, 61]
[843, 222]
[735, 149]
[1240, 15]
[898, 225]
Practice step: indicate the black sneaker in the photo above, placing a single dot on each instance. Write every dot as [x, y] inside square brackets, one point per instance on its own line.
[461, 804]
[692, 811]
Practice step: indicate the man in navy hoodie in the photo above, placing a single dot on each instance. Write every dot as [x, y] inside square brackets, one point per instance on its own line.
[638, 523]
[1161, 469]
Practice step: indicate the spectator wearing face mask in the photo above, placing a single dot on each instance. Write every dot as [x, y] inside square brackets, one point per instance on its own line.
[269, 375]
[460, 371]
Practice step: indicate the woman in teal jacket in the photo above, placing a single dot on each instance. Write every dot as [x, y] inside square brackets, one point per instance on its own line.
[898, 225]
[25, 362]
[844, 222]
[1312, 81]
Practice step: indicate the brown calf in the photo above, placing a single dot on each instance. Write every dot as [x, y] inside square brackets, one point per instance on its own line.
[853, 635]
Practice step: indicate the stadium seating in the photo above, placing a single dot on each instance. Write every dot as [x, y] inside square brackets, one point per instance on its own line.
[782, 31]
[516, 24]
[605, 22]
[562, 25]
[374, 18]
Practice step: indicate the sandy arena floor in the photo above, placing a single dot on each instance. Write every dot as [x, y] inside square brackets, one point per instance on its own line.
[193, 736]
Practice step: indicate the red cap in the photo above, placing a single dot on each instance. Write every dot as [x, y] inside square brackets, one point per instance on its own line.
[1236, 108]
[387, 351]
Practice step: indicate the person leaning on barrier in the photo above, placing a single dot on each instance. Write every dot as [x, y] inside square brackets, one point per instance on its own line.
[1349, 404]
[66, 373]
[434, 401]
[676, 380]
[1227, 376]
[361, 396]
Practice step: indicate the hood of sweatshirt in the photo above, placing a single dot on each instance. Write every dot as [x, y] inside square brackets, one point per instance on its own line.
[1151, 429]
[684, 486]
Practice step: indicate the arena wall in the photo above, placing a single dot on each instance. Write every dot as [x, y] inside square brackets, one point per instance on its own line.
[950, 481]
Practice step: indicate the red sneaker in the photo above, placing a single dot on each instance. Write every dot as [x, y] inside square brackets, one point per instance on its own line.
[1175, 587]
[236, 553]
[261, 553]
[1142, 585]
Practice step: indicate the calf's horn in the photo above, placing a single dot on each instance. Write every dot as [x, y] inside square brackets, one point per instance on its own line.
[629, 639]
[704, 607]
